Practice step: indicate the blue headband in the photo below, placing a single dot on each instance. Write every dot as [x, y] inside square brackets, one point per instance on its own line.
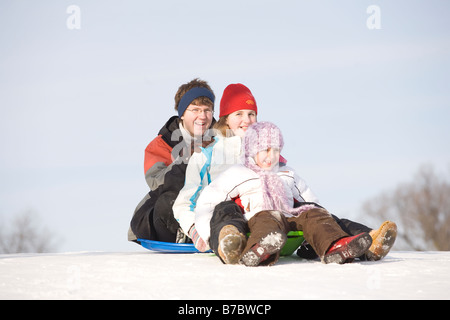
[190, 96]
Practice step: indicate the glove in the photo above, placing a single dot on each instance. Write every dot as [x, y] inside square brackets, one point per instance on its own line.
[199, 243]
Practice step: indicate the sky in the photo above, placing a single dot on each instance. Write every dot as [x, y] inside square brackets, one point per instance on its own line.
[359, 88]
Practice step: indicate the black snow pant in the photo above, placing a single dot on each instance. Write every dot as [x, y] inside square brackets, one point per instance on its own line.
[226, 213]
[153, 219]
[166, 227]
[351, 227]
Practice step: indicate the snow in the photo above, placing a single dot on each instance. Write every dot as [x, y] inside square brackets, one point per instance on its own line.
[151, 275]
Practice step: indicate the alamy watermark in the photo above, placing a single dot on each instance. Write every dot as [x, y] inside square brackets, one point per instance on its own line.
[73, 21]
[74, 278]
[183, 151]
[373, 22]
[373, 279]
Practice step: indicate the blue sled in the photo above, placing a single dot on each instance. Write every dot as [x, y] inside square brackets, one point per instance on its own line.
[169, 247]
[295, 238]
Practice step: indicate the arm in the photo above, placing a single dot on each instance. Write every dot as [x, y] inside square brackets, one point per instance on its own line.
[183, 208]
[301, 191]
[223, 188]
[157, 162]
[304, 191]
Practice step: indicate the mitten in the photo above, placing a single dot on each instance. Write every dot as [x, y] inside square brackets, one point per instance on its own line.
[199, 243]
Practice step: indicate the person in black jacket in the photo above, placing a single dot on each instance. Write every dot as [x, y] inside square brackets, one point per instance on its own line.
[166, 159]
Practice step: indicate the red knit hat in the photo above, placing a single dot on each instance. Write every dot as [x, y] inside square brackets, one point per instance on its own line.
[237, 97]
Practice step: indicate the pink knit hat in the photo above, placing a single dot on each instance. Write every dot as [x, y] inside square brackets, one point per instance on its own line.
[261, 136]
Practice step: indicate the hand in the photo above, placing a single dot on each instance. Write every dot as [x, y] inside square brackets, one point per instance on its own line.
[197, 145]
[199, 243]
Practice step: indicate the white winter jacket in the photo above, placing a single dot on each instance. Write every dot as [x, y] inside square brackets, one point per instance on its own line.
[240, 181]
[203, 167]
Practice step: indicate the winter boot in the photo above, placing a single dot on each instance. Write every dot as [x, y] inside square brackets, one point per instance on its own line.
[306, 251]
[382, 241]
[231, 244]
[265, 252]
[347, 248]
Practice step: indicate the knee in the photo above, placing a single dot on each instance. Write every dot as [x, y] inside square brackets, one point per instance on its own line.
[165, 202]
[227, 209]
[163, 212]
[317, 213]
[269, 214]
[272, 217]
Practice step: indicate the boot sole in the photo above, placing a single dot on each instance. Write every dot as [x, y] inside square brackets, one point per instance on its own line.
[231, 245]
[355, 248]
[383, 241]
[269, 245]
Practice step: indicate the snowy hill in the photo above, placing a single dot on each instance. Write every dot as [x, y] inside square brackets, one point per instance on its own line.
[149, 275]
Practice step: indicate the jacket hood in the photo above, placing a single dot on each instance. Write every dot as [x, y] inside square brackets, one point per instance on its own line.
[172, 125]
[167, 130]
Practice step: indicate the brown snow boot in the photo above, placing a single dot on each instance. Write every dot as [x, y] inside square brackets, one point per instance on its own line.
[231, 244]
[382, 241]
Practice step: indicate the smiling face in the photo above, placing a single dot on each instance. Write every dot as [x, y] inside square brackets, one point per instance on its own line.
[197, 119]
[240, 120]
[267, 159]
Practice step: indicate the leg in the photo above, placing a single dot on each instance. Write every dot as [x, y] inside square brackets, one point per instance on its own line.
[141, 223]
[268, 236]
[383, 238]
[228, 232]
[351, 227]
[330, 242]
[165, 224]
[226, 213]
[319, 229]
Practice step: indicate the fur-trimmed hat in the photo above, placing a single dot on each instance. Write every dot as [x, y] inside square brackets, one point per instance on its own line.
[261, 136]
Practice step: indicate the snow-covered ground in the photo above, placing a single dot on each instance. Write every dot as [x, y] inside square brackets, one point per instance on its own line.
[150, 275]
